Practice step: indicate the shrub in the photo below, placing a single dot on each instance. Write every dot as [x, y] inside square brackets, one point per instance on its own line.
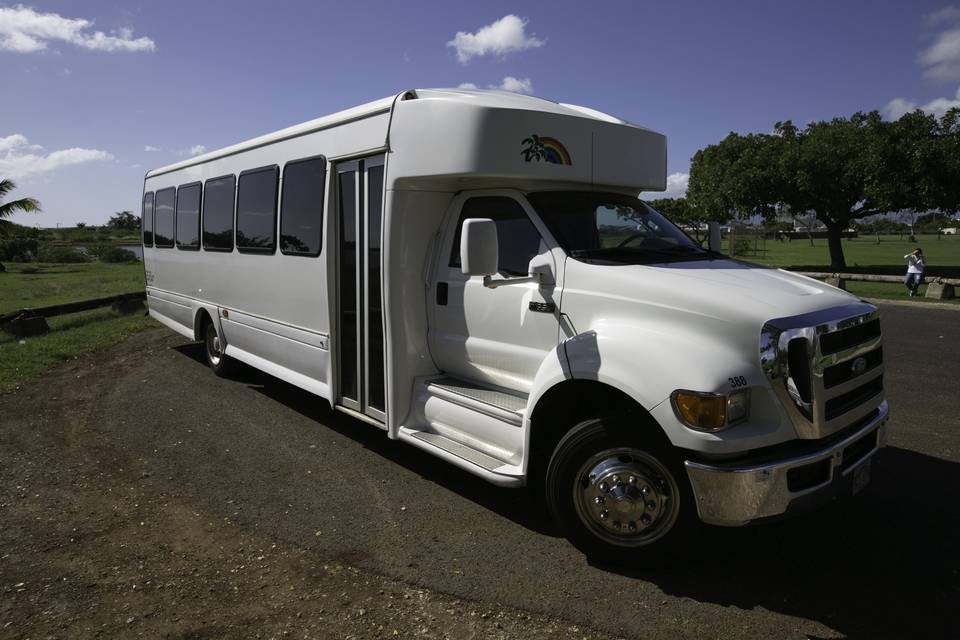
[118, 254]
[18, 249]
[60, 253]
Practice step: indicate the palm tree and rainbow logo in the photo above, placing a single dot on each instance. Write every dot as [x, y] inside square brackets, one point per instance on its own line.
[542, 148]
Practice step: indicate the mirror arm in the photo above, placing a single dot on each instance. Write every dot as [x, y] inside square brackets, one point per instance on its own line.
[490, 283]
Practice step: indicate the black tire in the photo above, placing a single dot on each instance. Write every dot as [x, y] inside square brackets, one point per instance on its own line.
[220, 363]
[620, 493]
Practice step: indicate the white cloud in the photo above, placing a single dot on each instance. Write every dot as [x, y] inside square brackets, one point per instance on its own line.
[946, 15]
[942, 57]
[504, 36]
[676, 188]
[150, 148]
[517, 85]
[938, 106]
[18, 159]
[24, 30]
[12, 141]
[195, 150]
[466, 85]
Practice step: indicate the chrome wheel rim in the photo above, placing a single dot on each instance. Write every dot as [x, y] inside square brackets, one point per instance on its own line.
[212, 341]
[626, 497]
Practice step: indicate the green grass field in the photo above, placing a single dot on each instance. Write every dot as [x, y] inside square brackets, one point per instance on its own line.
[20, 287]
[70, 335]
[864, 251]
[865, 254]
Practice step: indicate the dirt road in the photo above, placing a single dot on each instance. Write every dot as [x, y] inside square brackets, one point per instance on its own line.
[140, 496]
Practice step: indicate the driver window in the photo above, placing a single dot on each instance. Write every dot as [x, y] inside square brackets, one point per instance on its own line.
[517, 239]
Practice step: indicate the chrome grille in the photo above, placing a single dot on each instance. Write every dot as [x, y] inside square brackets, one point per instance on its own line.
[826, 367]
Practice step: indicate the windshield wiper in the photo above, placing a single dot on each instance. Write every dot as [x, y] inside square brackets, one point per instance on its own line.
[709, 252]
[623, 253]
[645, 254]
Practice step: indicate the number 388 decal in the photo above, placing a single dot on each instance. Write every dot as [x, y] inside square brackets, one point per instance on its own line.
[737, 381]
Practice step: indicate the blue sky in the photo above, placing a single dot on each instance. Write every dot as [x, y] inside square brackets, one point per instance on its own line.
[98, 92]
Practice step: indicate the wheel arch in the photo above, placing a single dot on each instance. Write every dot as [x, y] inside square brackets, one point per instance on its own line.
[200, 318]
[569, 402]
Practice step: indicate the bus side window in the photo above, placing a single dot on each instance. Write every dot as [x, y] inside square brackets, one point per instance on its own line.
[218, 196]
[188, 216]
[164, 204]
[257, 210]
[146, 219]
[301, 207]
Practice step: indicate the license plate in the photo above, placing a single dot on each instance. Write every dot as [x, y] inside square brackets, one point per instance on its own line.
[861, 477]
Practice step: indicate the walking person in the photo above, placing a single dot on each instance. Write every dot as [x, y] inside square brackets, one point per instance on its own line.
[915, 266]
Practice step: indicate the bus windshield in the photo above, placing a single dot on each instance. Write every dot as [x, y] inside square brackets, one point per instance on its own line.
[613, 228]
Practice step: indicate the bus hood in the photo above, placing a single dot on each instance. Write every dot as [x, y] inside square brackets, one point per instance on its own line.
[731, 292]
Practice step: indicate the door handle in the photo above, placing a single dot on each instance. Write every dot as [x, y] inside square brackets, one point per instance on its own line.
[542, 307]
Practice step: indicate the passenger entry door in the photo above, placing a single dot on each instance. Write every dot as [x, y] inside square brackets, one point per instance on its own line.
[494, 336]
[361, 374]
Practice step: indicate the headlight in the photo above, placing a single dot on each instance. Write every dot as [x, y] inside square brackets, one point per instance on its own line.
[710, 411]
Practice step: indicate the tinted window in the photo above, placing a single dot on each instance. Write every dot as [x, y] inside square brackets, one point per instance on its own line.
[218, 214]
[188, 217]
[301, 207]
[146, 219]
[257, 210]
[163, 217]
[517, 239]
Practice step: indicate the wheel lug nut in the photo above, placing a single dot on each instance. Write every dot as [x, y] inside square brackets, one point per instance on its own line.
[651, 505]
[616, 524]
[604, 515]
[632, 526]
[615, 480]
[598, 500]
[603, 487]
[631, 480]
[645, 490]
[645, 519]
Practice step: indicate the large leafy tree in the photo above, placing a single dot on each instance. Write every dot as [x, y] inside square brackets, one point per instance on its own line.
[840, 170]
[682, 212]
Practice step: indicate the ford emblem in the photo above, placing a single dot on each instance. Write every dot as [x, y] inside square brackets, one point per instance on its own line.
[859, 366]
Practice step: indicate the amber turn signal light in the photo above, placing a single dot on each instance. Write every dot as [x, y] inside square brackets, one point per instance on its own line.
[703, 411]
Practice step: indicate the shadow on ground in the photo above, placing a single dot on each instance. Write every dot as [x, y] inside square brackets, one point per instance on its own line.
[882, 565]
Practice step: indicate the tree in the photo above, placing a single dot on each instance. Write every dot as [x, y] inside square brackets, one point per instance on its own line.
[682, 213]
[125, 221]
[7, 209]
[839, 170]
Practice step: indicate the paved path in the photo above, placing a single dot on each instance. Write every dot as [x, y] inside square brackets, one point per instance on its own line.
[218, 465]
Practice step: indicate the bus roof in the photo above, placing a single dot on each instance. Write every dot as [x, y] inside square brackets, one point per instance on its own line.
[494, 99]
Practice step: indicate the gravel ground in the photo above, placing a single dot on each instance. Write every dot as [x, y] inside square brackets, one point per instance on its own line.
[140, 496]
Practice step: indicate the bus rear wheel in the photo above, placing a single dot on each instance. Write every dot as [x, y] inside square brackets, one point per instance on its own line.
[213, 349]
[620, 497]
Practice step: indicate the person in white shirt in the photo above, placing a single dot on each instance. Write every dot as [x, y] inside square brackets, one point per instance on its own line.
[915, 265]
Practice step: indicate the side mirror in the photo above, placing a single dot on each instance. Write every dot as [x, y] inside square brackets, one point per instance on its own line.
[478, 247]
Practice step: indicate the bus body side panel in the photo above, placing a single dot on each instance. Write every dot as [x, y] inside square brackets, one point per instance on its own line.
[278, 306]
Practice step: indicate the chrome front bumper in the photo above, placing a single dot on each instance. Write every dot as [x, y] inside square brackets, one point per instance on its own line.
[732, 495]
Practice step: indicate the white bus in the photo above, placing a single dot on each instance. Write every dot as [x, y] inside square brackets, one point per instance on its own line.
[472, 272]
